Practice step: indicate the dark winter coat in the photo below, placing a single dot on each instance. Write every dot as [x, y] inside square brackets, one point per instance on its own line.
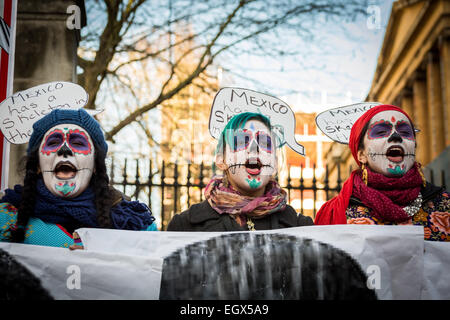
[202, 217]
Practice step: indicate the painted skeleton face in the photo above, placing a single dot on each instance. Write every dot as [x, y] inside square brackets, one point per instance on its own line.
[66, 159]
[390, 143]
[251, 159]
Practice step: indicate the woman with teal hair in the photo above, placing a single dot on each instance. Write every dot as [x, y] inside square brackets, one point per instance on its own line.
[246, 196]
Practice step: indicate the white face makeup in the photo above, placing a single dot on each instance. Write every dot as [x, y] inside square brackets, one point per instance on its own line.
[251, 160]
[390, 144]
[66, 159]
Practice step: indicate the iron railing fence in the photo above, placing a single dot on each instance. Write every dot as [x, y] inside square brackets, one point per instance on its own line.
[169, 188]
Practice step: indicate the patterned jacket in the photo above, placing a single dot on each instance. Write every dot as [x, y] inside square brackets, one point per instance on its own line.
[434, 215]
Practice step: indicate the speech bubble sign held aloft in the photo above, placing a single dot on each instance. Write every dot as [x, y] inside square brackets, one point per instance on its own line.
[337, 123]
[229, 102]
[19, 111]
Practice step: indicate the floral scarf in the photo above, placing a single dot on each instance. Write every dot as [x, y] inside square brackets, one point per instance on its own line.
[225, 200]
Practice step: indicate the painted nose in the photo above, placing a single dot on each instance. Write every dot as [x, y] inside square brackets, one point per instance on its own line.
[65, 151]
[254, 147]
[395, 137]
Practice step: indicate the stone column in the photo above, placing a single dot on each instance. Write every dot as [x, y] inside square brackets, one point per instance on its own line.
[407, 102]
[444, 47]
[420, 116]
[46, 50]
[436, 112]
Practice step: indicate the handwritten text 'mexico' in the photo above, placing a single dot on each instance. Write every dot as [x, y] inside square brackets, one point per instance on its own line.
[21, 110]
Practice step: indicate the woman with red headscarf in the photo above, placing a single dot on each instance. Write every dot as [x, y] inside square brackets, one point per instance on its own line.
[389, 187]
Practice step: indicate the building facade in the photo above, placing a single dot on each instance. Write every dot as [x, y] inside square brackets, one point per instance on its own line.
[306, 171]
[413, 72]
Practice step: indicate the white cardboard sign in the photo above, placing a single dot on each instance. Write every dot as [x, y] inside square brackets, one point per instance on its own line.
[337, 123]
[229, 102]
[21, 110]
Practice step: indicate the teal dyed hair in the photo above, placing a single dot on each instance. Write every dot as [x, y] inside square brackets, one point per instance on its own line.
[238, 122]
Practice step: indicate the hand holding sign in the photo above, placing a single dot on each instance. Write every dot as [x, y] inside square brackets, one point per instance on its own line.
[337, 123]
[231, 101]
[19, 111]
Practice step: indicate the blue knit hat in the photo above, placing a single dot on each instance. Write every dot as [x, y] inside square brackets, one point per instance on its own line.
[59, 116]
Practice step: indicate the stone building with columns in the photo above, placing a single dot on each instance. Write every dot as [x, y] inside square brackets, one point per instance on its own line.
[413, 72]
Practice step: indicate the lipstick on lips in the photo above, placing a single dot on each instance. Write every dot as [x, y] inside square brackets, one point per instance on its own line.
[65, 170]
[253, 166]
[395, 154]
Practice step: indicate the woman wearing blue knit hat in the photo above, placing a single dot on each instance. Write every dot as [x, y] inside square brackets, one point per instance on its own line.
[66, 186]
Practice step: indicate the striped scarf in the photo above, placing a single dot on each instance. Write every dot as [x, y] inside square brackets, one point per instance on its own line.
[225, 200]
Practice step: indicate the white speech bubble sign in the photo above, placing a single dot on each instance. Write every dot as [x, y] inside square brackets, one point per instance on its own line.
[337, 123]
[94, 112]
[229, 102]
[21, 110]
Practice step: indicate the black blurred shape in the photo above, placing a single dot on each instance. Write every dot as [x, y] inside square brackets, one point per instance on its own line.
[17, 282]
[252, 266]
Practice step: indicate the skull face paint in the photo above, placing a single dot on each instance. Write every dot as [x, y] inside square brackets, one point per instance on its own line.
[390, 144]
[251, 159]
[66, 159]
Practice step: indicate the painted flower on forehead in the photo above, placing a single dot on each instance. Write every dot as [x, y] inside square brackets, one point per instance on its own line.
[66, 159]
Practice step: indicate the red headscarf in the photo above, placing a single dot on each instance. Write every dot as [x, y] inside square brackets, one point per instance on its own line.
[333, 211]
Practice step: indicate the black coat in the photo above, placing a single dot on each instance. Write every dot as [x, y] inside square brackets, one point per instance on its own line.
[202, 217]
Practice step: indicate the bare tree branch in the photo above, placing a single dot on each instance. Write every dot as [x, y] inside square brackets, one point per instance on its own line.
[139, 32]
[201, 66]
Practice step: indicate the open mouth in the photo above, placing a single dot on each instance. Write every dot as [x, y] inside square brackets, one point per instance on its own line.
[65, 170]
[253, 166]
[395, 154]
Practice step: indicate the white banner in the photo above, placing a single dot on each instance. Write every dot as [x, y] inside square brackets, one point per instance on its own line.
[314, 262]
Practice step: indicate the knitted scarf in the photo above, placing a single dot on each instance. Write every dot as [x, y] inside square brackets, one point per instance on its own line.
[225, 200]
[81, 211]
[387, 195]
